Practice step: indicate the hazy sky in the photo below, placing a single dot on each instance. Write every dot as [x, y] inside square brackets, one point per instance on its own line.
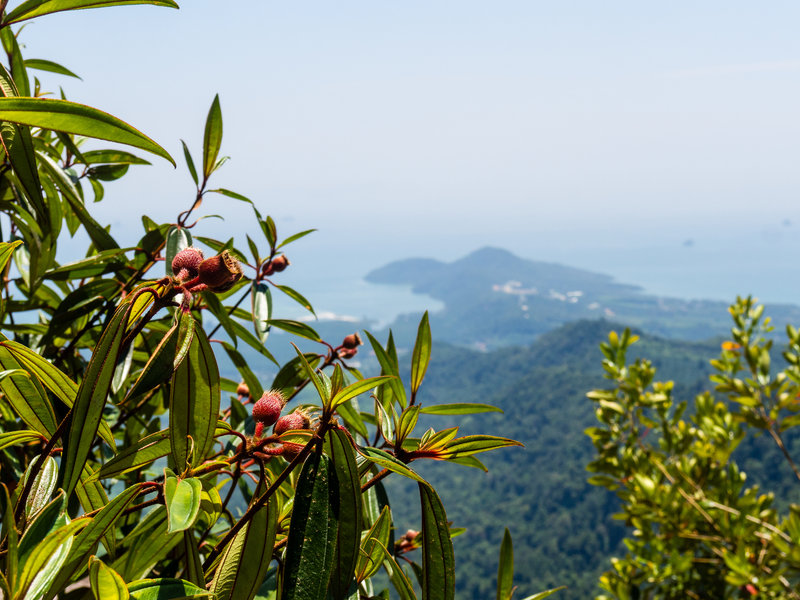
[557, 129]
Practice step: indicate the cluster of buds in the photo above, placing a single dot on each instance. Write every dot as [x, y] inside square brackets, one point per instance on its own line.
[350, 344]
[217, 274]
[275, 265]
[407, 542]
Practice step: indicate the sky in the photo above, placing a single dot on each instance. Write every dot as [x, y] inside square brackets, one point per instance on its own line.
[657, 142]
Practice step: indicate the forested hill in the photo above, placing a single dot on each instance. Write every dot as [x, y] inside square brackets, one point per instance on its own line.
[493, 298]
[562, 527]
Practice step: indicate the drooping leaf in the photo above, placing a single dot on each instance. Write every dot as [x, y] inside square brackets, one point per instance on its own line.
[87, 411]
[78, 119]
[37, 8]
[48, 65]
[438, 563]
[312, 532]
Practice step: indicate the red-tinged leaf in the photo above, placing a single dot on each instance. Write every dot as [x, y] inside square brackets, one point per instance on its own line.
[245, 560]
[472, 444]
[212, 138]
[505, 568]
[312, 532]
[78, 119]
[438, 563]
[86, 541]
[87, 411]
[421, 355]
[194, 403]
[37, 8]
[459, 409]
[348, 538]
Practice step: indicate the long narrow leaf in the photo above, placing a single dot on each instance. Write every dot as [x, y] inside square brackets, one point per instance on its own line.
[438, 563]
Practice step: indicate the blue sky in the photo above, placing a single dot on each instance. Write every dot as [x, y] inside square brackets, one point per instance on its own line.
[561, 130]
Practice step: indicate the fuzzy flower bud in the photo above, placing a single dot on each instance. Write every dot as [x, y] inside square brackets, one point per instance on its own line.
[276, 265]
[220, 272]
[295, 420]
[243, 390]
[352, 341]
[348, 352]
[268, 408]
[186, 263]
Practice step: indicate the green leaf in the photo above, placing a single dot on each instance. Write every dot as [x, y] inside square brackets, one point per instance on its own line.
[297, 328]
[505, 568]
[438, 563]
[472, 444]
[25, 395]
[421, 355]
[7, 251]
[106, 582]
[545, 594]
[178, 238]
[386, 460]
[231, 194]
[166, 358]
[253, 384]
[78, 119]
[45, 560]
[48, 65]
[408, 420]
[87, 411]
[114, 157]
[464, 408]
[12, 541]
[191, 554]
[44, 484]
[297, 297]
[312, 532]
[18, 438]
[212, 138]
[372, 549]
[348, 538]
[194, 403]
[86, 541]
[190, 163]
[357, 388]
[389, 367]
[294, 237]
[261, 304]
[398, 578]
[245, 561]
[315, 379]
[182, 499]
[165, 589]
[37, 8]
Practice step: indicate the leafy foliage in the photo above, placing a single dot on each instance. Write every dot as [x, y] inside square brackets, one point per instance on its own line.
[125, 452]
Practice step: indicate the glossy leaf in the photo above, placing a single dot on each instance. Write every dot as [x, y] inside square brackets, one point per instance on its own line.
[386, 460]
[472, 444]
[348, 536]
[37, 8]
[87, 411]
[421, 355]
[48, 65]
[296, 327]
[178, 238]
[458, 409]
[194, 403]
[45, 560]
[44, 484]
[505, 569]
[182, 499]
[142, 453]
[78, 119]
[18, 438]
[212, 138]
[389, 367]
[312, 533]
[372, 549]
[261, 305]
[106, 582]
[357, 388]
[25, 395]
[438, 563]
[86, 541]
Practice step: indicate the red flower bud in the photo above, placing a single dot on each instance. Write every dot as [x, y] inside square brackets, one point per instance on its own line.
[220, 272]
[295, 420]
[352, 341]
[279, 263]
[186, 263]
[347, 352]
[243, 390]
[259, 431]
[268, 408]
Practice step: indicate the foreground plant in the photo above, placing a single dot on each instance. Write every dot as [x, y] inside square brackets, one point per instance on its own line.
[124, 472]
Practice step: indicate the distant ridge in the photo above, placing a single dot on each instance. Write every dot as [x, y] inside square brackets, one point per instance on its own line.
[494, 298]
